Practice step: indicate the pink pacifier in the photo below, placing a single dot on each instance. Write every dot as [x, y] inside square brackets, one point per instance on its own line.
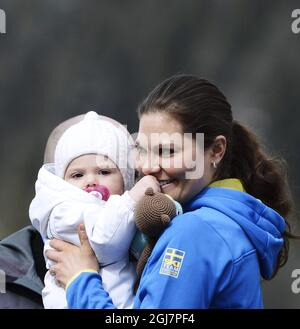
[99, 191]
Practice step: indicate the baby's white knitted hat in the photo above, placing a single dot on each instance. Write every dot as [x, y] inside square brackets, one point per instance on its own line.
[94, 135]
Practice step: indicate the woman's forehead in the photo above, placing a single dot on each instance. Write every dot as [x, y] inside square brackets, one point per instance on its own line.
[161, 140]
[159, 123]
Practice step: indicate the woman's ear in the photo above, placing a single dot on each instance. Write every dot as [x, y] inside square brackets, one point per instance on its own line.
[218, 149]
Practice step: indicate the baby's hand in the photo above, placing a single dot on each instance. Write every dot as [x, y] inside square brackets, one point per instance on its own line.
[139, 189]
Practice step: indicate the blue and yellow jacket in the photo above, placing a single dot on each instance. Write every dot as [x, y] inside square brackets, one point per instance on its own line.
[212, 256]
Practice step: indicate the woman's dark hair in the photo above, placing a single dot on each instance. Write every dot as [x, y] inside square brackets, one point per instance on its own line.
[201, 107]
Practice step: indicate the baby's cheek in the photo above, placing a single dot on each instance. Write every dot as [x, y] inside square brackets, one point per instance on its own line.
[77, 183]
[114, 184]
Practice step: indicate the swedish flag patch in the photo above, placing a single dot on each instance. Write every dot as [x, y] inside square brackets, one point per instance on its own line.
[172, 262]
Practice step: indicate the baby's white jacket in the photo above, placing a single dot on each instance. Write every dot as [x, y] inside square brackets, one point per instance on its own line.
[57, 210]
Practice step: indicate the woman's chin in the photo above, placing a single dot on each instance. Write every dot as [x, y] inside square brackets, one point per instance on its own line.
[170, 189]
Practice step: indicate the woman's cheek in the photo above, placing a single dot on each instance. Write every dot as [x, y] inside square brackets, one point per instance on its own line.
[173, 163]
[142, 161]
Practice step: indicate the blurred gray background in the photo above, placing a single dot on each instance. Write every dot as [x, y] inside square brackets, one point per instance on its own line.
[60, 58]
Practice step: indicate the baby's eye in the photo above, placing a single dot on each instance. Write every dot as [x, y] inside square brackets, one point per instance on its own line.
[76, 175]
[104, 172]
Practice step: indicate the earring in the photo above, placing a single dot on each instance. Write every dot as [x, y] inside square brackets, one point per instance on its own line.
[214, 164]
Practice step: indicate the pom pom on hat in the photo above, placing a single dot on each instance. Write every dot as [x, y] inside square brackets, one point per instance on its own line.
[94, 135]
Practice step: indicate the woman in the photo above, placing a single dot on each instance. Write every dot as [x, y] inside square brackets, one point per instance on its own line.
[233, 229]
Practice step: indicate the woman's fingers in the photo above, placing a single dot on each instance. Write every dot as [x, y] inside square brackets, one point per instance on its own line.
[82, 234]
[59, 245]
[53, 255]
[86, 251]
[53, 270]
[70, 259]
[84, 241]
[56, 272]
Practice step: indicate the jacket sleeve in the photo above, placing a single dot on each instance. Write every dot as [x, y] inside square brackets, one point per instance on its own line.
[111, 230]
[86, 292]
[64, 220]
[42, 206]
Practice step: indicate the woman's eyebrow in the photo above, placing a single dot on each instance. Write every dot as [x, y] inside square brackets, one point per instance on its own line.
[164, 145]
[158, 146]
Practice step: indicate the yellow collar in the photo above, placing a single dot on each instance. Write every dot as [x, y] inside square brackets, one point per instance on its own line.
[232, 183]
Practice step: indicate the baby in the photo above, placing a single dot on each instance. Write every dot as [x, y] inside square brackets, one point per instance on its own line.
[91, 182]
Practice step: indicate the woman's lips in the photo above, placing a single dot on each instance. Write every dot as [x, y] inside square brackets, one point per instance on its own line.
[99, 191]
[166, 183]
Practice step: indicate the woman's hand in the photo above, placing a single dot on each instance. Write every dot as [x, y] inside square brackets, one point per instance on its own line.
[71, 259]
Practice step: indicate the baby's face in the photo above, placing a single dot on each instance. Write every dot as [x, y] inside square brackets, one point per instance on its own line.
[90, 170]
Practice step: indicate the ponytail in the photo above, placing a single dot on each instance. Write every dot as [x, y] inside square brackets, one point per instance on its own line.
[263, 177]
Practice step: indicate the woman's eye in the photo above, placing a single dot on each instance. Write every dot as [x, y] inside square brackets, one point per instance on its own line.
[140, 149]
[165, 152]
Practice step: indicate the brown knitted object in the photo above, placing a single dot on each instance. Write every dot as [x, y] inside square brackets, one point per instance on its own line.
[144, 257]
[153, 213]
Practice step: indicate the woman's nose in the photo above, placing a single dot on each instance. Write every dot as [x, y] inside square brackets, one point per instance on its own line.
[150, 171]
[148, 168]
